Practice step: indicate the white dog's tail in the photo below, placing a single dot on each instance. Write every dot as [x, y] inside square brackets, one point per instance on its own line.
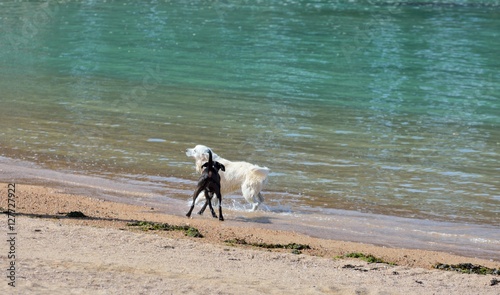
[260, 173]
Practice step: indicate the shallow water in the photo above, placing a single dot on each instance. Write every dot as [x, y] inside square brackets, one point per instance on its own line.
[368, 106]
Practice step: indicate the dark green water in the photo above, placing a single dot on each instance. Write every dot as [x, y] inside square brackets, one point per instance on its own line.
[373, 106]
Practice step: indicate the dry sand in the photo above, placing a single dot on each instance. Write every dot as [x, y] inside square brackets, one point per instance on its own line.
[102, 255]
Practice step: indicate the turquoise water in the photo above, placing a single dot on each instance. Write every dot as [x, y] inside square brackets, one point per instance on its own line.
[371, 106]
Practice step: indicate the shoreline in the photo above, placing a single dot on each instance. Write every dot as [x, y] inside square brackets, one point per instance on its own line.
[466, 240]
[469, 240]
[41, 210]
[49, 203]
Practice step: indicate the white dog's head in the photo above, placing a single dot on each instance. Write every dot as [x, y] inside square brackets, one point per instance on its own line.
[200, 154]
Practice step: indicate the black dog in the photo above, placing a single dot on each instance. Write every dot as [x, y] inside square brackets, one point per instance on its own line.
[209, 183]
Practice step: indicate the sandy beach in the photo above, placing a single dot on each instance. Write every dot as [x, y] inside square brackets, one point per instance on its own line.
[102, 254]
[378, 121]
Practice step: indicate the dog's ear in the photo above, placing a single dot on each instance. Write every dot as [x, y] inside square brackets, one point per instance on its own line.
[222, 167]
[204, 165]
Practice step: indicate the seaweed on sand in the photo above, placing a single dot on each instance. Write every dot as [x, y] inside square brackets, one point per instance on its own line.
[467, 268]
[296, 248]
[368, 258]
[148, 225]
[75, 214]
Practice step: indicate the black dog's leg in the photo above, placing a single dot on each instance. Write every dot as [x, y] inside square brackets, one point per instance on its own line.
[209, 199]
[196, 193]
[203, 208]
[219, 197]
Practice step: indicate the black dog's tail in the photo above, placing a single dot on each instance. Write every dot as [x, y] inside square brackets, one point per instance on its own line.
[210, 162]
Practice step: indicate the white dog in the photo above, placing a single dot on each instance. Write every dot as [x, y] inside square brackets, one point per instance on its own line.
[248, 178]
